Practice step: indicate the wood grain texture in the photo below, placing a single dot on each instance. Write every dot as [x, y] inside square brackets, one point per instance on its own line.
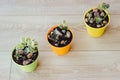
[13, 28]
[5, 65]
[52, 7]
[89, 58]
[82, 65]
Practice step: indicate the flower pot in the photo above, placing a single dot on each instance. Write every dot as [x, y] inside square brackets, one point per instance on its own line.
[59, 50]
[27, 68]
[96, 32]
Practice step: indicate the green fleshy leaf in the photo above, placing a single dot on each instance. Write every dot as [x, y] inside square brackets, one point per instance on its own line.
[29, 43]
[17, 56]
[19, 46]
[103, 6]
[63, 26]
[98, 19]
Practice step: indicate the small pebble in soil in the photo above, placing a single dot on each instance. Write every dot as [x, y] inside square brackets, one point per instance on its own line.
[91, 20]
[51, 33]
[102, 24]
[68, 34]
[63, 31]
[95, 10]
[96, 14]
[88, 14]
[25, 62]
[56, 44]
[98, 25]
[62, 42]
[57, 32]
[105, 22]
[86, 20]
[57, 37]
[49, 36]
[20, 51]
[66, 41]
[20, 56]
[29, 55]
[102, 14]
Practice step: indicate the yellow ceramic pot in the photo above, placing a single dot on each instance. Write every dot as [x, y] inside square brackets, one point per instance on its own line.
[59, 50]
[96, 32]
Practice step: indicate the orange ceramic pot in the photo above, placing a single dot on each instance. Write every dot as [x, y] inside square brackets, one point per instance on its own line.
[59, 50]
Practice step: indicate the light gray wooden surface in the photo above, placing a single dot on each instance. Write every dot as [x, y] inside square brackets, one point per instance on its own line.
[89, 59]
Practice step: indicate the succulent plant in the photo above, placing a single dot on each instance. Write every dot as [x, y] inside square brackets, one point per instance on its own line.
[97, 17]
[63, 26]
[60, 35]
[103, 6]
[25, 50]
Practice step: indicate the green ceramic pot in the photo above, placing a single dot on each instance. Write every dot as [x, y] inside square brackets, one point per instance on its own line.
[27, 68]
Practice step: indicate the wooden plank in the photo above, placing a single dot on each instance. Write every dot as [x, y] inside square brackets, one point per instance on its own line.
[5, 63]
[13, 28]
[100, 65]
[52, 7]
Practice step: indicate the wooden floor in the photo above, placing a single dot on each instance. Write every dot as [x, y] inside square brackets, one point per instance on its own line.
[89, 58]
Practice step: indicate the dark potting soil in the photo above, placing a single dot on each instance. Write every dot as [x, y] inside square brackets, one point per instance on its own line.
[94, 24]
[24, 57]
[61, 38]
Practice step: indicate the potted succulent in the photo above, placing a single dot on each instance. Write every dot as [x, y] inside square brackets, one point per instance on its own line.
[60, 37]
[25, 54]
[97, 19]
